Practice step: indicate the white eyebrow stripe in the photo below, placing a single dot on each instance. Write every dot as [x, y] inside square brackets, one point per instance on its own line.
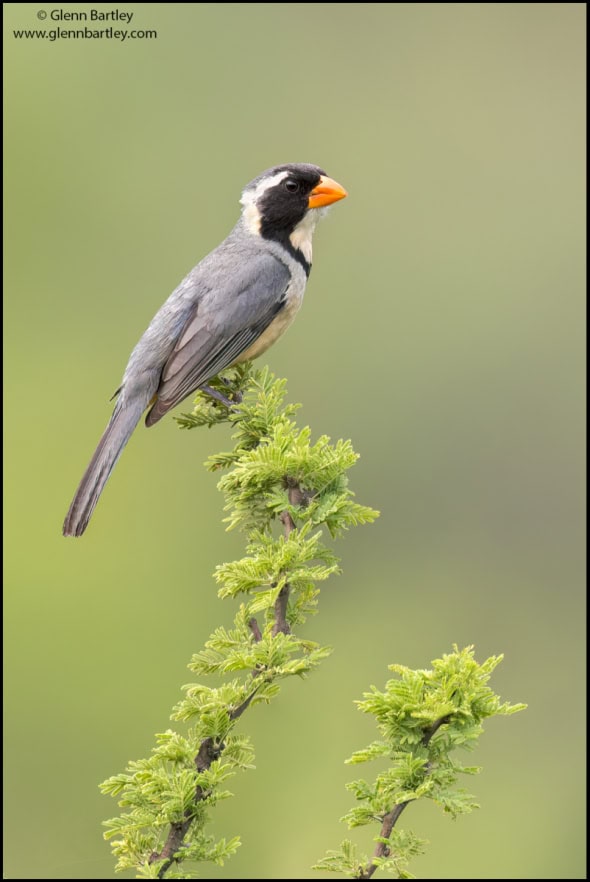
[250, 196]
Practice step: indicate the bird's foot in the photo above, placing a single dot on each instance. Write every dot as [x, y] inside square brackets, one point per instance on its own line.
[218, 396]
[237, 396]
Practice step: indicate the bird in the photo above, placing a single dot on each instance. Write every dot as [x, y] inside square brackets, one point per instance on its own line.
[234, 304]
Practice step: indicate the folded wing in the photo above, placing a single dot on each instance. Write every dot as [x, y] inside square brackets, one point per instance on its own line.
[225, 322]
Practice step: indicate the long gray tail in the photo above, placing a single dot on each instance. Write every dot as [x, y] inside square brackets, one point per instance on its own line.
[116, 435]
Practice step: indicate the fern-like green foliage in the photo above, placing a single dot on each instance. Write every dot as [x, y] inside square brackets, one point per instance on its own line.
[423, 718]
[280, 487]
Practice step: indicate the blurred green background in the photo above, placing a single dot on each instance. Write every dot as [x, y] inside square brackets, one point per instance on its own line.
[442, 331]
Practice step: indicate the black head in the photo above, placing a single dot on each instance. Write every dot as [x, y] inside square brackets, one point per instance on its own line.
[278, 199]
[281, 204]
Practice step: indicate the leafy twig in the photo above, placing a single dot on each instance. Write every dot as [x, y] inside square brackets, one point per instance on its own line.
[273, 474]
[382, 849]
[423, 716]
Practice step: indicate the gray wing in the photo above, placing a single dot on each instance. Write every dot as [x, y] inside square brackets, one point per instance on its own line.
[224, 323]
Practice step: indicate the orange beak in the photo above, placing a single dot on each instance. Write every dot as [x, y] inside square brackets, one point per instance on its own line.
[326, 192]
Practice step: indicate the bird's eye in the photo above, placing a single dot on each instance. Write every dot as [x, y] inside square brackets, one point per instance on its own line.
[292, 186]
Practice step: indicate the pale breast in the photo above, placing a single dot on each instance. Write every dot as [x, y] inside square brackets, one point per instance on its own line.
[293, 300]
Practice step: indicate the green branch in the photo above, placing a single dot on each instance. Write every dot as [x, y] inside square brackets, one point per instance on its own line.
[279, 489]
[423, 717]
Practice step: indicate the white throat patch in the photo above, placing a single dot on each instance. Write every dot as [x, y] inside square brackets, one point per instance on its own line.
[301, 236]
